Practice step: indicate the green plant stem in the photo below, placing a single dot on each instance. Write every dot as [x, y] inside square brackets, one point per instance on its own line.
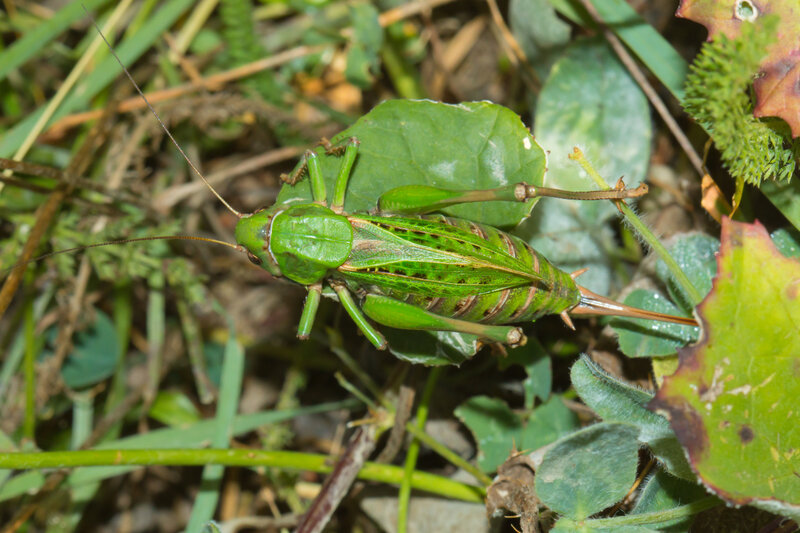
[656, 517]
[353, 390]
[643, 230]
[447, 454]
[402, 75]
[239, 457]
[404, 495]
[337, 347]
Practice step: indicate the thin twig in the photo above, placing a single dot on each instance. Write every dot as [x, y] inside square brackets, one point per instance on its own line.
[32, 169]
[339, 481]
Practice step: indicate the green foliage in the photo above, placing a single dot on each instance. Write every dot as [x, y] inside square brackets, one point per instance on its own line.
[718, 98]
[588, 470]
[362, 58]
[616, 401]
[94, 356]
[499, 431]
[696, 256]
[473, 145]
[661, 492]
[588, 100]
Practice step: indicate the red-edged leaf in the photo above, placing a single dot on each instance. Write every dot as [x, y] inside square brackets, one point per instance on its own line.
[733, 400]
[778, 83]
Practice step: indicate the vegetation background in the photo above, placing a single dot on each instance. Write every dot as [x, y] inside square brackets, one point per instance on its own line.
[182, 355]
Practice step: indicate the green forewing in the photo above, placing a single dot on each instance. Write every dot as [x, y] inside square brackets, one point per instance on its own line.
[475, 145]
[451, 261]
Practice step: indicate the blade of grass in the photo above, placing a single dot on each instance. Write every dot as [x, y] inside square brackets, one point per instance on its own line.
[230, 390]
[36, 39]
[156, 321]
[410, 464]
[128, 51]
[15, 353]
[66, 87]
[29, 420]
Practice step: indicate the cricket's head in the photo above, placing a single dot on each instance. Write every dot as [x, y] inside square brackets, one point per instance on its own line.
[301, 242]
[252, 233]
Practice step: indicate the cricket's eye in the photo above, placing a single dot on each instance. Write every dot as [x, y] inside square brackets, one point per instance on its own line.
[254, 258]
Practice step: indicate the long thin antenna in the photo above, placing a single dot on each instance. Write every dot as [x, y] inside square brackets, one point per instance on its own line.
[236, 247]
[163, 126]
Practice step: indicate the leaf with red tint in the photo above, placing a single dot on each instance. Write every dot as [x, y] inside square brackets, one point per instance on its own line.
[733, 400]
[778, 84]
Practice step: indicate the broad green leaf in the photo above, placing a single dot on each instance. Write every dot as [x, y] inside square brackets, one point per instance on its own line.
[539, 31]
[589, 470]
[652, 49]
[494, 426]
[787, 241]
[651, 338]
[547, 423]
[662, 492]
[94, 354]
[475, 145]
[616, 401]
[589, 101]
[786, 197]
[646, 42]
[499, 431]
[536, 362]
[430, 348]
[733, 400]
[696, 254]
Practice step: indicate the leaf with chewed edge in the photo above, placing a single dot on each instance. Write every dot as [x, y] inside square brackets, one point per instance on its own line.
[733, 400]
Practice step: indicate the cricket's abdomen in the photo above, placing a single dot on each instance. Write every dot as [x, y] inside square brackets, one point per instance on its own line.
[455, 268]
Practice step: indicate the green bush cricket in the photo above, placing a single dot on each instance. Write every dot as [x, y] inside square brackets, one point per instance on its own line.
[411, 270]
[405, 268]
